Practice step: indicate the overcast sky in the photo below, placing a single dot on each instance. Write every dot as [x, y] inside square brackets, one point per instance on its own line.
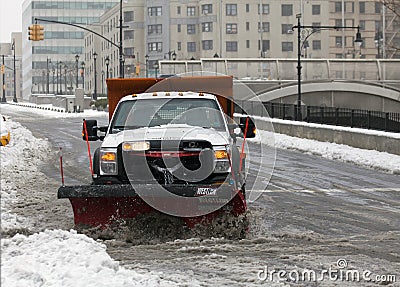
[10, 19]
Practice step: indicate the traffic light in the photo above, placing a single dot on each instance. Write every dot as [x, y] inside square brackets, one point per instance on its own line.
[137, 70]
[32, 32]
[40, 32]
[36, 32]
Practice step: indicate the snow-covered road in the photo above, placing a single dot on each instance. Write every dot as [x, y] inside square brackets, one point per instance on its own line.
[289, 230]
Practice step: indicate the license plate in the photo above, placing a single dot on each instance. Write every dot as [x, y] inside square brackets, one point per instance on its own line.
[206, 191]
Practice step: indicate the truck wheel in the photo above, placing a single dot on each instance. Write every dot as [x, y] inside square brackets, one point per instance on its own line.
[96, 162]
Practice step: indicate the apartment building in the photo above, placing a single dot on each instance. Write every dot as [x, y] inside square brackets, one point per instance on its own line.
[61, 45]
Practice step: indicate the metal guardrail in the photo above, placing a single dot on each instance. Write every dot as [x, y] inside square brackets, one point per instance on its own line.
[355, 118]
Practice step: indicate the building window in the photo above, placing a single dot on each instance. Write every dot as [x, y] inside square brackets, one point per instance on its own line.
[316, 24]
[287, 9]
[231, 28]
[264, 8]
[231, 9]
[128, 34]
[362, 7]
[129, 51]
[338, 22]
[378, 7]
[247, 8]
[247, 44]
[206, 9]
[191, 11]
[265, 45]
[349, 7]
[247, 26]
[287, 46]
[191, 28]
[316, 44]
[362, 25]
[338, 7]
[207, 44]
[316, 9]
[179, 28]
[265, 26]
[231, 46]
[154, 47]
[154, 29]
[128, 16]
[179, 45]
[191, 46]
[338, 41]
[154, 11]
[287, 28]
[178, 10]
[206, 27]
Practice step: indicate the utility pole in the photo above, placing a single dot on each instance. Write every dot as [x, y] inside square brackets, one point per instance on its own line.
[3, 99]
[15, 74]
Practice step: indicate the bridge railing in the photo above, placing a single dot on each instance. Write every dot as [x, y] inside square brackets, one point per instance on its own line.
[356, 118]
[285, 69]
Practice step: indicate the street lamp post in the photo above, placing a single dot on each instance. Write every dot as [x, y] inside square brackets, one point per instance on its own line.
[54, 74]
[59, 78]
[107, 60]
[156, 68]
[15, 74]
[102, 82]
[77, 69]
[147, 65]
[3, 99]
[303, 33]
[121, 59]
[95, 76]
[83, 75]
[378, 43]
[65, 78]
[48, 61]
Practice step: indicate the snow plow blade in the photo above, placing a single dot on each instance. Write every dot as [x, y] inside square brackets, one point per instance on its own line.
[103, 205]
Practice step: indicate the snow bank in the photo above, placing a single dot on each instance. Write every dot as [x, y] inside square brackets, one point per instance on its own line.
[65, 258]
[21, 155]
[29, 107]
[367, 158]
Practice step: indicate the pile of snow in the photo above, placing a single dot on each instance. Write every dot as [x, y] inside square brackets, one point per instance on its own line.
[367, 158]
[45, 111]
[65, 258]
[20, 156]
[52, 257]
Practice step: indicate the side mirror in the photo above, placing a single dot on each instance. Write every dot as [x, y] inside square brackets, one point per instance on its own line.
[91, 128]
[251, 127]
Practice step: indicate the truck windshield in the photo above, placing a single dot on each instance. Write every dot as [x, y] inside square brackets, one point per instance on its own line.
[158, 112]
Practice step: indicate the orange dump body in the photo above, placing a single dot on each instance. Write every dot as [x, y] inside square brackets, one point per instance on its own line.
[221, 86]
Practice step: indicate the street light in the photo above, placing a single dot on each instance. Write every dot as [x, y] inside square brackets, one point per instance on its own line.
[156, 67]
[54, 75]
[83, 75]
[77, 69]
[107, 60]
[378, 42]
[48, 61]
[59, 86]
[3, 99]
[147, 65]
[95, 76]
[15, 82]
[303, 33]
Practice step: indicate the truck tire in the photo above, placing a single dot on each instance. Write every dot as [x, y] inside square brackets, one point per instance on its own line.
[96, 162]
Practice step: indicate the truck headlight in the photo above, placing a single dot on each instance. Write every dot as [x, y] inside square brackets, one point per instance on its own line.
[108, 162]
[136, 146]
[222, 164]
